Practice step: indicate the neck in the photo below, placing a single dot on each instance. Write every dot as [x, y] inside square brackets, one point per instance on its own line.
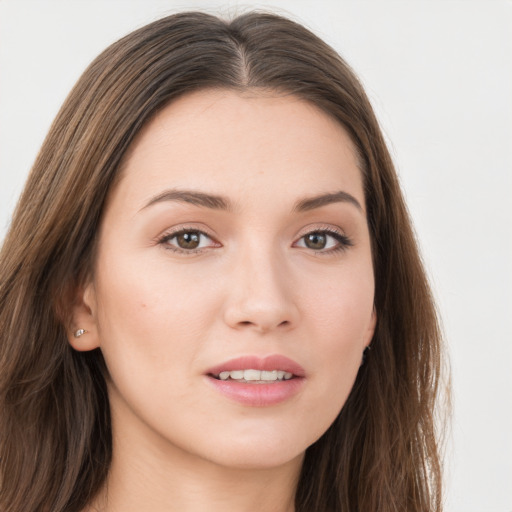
[168, 486]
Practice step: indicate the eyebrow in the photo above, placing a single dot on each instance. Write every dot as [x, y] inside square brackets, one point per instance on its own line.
[216, 202]
[311, 203]
[192, 197]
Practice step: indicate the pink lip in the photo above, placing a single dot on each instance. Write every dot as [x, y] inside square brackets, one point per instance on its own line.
[257, 394]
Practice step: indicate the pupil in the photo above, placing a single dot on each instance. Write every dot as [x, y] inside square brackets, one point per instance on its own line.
[188, 240]
[316, 241]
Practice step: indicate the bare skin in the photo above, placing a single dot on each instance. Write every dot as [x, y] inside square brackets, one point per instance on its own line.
[238, 229]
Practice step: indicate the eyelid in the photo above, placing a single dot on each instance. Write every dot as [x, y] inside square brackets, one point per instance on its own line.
[344, 241]
[173, 232]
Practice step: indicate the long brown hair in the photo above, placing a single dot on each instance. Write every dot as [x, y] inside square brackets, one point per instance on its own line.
[381, 453]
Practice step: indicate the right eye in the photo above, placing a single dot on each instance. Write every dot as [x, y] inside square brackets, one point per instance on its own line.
[188, 240]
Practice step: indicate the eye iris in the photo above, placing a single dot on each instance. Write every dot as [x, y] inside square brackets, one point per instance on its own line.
[188, 240]
[315, 241]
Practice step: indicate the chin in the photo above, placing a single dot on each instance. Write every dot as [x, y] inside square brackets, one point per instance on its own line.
[249, 458]
[265, 450]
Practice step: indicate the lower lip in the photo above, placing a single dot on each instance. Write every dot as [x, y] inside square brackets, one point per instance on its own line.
[258, 395]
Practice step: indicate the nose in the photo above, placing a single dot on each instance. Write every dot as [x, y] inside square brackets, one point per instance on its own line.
[260, 295]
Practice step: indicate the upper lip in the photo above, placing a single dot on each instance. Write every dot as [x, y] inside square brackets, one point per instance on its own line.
[268, 363]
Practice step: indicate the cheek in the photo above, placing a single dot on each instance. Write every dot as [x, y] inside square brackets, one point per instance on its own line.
[340, 307]
[152, 329]
[341, 325]
[151, 314]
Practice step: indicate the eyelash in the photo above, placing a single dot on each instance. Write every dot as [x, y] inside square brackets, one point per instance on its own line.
[344, 242]
[164, 241]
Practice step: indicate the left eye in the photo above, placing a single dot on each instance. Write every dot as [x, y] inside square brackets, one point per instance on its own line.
[188, 240]
[322, 240]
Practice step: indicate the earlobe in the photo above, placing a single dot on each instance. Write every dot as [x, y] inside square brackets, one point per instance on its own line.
[369, 336]
[371, 328]
[83, 332]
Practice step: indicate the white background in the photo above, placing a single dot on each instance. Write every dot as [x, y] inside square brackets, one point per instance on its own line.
[439, 74]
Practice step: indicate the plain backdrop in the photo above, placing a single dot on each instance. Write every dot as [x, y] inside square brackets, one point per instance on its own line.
[439, 74]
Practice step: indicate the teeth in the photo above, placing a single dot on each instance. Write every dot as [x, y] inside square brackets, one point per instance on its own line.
[256, 375]
[269, 375]
[252, 375]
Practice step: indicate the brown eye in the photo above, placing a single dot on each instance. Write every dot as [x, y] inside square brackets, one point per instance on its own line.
[188, 240]
[316, 241]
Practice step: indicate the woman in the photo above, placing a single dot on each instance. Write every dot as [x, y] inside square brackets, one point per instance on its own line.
[209, 243]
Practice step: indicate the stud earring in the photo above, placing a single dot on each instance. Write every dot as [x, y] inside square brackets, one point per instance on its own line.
[79, 333]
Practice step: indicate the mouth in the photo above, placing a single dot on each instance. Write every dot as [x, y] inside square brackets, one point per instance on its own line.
[255, 369]
[258, 382]
[252, 376]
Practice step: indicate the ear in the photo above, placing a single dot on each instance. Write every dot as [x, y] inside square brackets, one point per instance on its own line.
[83, 317]
[371, 328]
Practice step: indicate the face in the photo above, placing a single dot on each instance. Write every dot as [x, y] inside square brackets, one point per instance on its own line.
[233, 290]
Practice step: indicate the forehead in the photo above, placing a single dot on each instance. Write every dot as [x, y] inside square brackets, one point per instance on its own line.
[226, 141]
